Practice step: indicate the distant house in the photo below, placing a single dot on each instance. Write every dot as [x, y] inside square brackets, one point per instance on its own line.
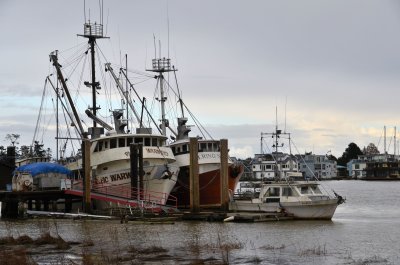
[266, 166]
[319, 166]
[356, 168]
[375, 167]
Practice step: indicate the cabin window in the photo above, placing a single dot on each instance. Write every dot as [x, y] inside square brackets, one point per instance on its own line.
[184, 148]
[316, 190]
[273, 192]
[287, 191]
[96, 148]
[105, 145]
[154, 142]
[147, 141]
[210, 147]
[121, 142]
[100, 146]
[173, 149]
[203, 147]
[138, 140]
[113, 143]
[305, 190]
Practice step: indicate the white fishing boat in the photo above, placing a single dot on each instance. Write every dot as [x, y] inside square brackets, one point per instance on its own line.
[209, 150]
[289, 192]
[110, 161]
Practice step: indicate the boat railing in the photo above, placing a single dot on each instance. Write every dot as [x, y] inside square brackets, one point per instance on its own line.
[95, 30]
[132, 193]
[319, 197]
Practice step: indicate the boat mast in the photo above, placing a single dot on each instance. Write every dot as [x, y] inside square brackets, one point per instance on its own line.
[60, 77]
[161, 66]
[93, 32]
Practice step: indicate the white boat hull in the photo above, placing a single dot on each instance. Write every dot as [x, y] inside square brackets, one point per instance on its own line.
[299, 210]
[311, 210]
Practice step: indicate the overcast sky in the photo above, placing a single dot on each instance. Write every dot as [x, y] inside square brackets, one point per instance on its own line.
[333, 65]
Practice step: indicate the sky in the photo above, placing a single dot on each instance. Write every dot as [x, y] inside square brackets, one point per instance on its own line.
[326, 71]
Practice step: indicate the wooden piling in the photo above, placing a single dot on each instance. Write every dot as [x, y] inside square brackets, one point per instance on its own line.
[134, 170]
[224, 175]
[86, 175]
[194, 176]
[140, 169]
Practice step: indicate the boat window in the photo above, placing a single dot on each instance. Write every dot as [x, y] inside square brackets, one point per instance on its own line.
[96, 148]
[105, 144]
[305, 190]
[129, 140]
[287, 191]
[203, 147]
[272, 192]
[211, 147]
[138, 140]
[154, 142]
[184, 148]
[100, 146]
[121, 142]
[147, 141]
[173, 149]
[113, 143]
[316, 190]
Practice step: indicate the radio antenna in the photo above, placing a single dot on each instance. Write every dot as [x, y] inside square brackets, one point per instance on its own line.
[285, 114]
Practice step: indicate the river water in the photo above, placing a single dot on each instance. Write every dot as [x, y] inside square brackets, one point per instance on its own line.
[364, 230]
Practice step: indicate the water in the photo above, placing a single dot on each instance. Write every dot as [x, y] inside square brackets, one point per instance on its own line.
[364, 230]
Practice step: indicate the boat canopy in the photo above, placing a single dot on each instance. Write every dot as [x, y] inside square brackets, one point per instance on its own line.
[43, 168]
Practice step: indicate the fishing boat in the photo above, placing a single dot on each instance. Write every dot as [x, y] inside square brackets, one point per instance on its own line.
[302, 199]
[290, 193]
[208, 148]
[209, 155]
[209, 172]
[110, 163]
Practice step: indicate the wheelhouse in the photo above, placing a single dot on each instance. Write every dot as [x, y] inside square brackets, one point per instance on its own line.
[121, 141]
[203, 146]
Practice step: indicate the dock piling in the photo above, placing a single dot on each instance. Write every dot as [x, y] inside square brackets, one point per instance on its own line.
[224, 175]
[194, 176]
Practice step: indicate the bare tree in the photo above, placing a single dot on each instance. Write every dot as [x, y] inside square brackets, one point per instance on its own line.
[371, 149]
[13, 138]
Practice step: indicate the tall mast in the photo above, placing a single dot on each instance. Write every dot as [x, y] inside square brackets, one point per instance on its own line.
[160, 66]
[127, 92]
[394, 140]
[93, 32]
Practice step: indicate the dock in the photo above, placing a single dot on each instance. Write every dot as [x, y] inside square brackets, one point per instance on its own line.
[250, 217]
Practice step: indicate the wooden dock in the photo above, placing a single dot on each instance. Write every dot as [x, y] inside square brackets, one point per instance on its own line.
[250, 217]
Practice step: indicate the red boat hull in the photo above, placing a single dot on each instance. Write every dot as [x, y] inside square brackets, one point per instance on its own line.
[209, 185]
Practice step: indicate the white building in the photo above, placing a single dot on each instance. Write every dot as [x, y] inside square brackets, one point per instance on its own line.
[319, 166]
[266, 166]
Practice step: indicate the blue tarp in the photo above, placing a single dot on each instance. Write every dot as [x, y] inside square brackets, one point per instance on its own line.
[42, 168]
